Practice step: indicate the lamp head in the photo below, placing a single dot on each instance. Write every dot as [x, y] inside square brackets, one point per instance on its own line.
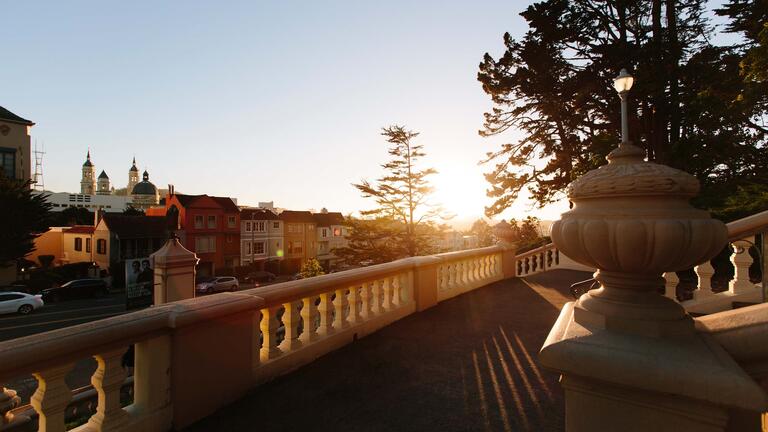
[623, 82]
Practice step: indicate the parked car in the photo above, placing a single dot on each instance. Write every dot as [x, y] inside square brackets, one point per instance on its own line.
[260, 277]
[78, 288]
[215, 284]
[23, 303]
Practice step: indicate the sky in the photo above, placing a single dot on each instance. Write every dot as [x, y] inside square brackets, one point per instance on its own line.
[260, 101]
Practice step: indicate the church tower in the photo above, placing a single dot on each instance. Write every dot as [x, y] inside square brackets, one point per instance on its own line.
[103, 184]
[133, 177]
[88, 182]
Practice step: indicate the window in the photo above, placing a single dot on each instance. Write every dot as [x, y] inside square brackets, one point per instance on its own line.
[247, 248]
[212, 221]
[297, 247]
[291, 228]
[231, 221]
[204, 244]
[198, 221]
[101, 246]
[324, 232]
[290, 247]
[247, 227]
[259, 226]
[9, 297]
[276, 225]
[337, 232]
[78, 244]
[88, 245]
[311, 227]
[258, 248]
[8, 161]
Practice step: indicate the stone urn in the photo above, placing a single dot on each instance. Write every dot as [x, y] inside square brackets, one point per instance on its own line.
[631, 219]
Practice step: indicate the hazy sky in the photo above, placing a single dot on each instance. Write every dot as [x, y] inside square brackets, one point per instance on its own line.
[279, 101]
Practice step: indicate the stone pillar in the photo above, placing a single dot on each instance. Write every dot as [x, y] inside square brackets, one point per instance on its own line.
[631, 358]
[174, 272]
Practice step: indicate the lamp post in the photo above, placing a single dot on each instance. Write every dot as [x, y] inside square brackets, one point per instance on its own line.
[622, 84]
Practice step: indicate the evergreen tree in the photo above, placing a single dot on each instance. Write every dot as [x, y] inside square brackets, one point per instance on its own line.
[687, 109]
[24, 217]
[402, 195]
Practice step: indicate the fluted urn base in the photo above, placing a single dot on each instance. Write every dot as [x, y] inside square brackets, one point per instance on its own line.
[630, 303]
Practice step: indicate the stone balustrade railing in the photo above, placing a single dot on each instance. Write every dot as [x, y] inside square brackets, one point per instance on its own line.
[741, 234]
[544, 258]
[195, 356]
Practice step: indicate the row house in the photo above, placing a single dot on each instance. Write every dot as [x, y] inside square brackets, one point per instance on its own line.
[300, 238]
[331, 234]
[261, 239]
[208, 226]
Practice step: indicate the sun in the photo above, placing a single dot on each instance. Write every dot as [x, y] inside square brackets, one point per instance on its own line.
[460, 192]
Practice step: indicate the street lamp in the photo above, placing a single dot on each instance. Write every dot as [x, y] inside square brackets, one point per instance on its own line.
[622, 84]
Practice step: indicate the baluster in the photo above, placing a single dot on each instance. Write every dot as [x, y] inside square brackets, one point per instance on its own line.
[355, 304]
[326, 309]
[557, 256]
[527, 266]
[519, 263]
[366, 292]
[291, 320]
[454, 276]
[397, 290]
[107, 380]
[51, 398]
[741, 260]
[378, 295]
[388, 294]
[269, 326]
[309, 316]
[704, 271]
[670, 285]
[340, 306]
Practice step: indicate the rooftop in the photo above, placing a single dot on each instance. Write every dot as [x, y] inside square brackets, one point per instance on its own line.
[13, 118]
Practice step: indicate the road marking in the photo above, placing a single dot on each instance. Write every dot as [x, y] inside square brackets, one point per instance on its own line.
[90, 317]
[58, 312]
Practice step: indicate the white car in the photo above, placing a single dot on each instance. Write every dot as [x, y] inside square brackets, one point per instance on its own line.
[12, 302]
[213, 284]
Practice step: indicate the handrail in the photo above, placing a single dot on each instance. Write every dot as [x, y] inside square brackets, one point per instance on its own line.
[539, 249]
[296, 290]
[748, 226]
[35, 352]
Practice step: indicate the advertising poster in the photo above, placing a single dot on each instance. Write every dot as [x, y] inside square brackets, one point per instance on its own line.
[139, 280]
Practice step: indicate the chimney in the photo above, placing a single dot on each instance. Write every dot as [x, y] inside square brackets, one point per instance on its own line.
[170, 189]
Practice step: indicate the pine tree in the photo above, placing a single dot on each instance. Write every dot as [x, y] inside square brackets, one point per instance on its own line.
[24, 217]
[687, 108]
[402, 195]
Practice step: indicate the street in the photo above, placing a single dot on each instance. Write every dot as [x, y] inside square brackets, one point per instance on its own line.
[57, 315]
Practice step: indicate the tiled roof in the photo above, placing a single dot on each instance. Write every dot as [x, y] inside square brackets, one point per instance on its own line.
[257, 214]
[328, 219]
[296, 216]
[136, 226]
[13, 118]
[80, 229]
[225, 202]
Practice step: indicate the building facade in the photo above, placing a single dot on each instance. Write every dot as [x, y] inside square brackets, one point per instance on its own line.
[331, 234]
[15, 149]
[208, 226]
[261, 238]
[300, 239]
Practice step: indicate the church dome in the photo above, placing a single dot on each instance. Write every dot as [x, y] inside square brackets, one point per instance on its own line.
[145, 187]
[133, 167]
[103, 175]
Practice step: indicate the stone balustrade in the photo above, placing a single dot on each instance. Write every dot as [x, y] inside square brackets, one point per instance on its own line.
[545, 258]
[741, 234]
[247, 338]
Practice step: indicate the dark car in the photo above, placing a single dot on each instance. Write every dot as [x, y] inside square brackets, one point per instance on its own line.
[78, 288]
[260, 277]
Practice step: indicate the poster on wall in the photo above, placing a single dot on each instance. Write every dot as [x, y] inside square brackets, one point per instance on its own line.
[139, 280]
